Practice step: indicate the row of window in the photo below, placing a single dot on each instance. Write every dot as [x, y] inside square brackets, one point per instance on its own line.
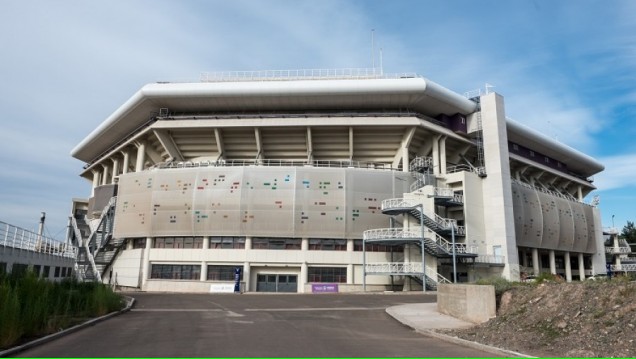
[315, 244]
[227, 273]
[41, 271]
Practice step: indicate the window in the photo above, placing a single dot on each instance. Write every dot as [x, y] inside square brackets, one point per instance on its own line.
[139, 243]
[374, 247]
[3, 267]
[547, 159]
[36, 270]
[56, 273]
[325, 244]
[531, 153]
[515, 147]
[46, 271]
[327, 275]
[227, 242]
[223, 273]
[175, 271]
[276, 243]
[178, 242]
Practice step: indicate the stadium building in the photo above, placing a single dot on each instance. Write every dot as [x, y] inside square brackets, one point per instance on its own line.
[338, 180]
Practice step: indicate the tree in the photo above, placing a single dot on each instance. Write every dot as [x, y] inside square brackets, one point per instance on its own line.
[629, 233]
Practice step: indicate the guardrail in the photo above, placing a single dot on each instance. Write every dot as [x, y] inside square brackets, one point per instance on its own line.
[412, 268]
[619, 250]
[276, 163]
[19, 238]
[302, 74]
[391, 234]
[489, 258]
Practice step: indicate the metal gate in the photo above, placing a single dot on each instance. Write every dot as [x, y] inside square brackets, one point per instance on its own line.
[278, 283]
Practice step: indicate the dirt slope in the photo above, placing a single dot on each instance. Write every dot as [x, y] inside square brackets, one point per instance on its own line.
[588, 319]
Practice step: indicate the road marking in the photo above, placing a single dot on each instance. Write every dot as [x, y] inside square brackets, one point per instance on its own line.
[312, 309]
[174, 310]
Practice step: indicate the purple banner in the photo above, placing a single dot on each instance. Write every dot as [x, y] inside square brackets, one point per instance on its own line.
[324, 288]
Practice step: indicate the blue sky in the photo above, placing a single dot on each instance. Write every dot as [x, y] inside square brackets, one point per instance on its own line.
[565, 68]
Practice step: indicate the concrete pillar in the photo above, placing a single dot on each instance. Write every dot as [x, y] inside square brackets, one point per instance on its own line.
[145, 267]
[436, 166]
[524, 259]
[126, 164]
[552, 262]
[405, 159]
[304, 244]
[350, 274]
[204, 271]
[581, 267]
[302, 281]
[246, 276]
[95, 181]
[407, 259]
[141, 157]
[535, 261]
[350, 245]
[105, 175]
[115, 169]
[248, 243]
[206, 242]
[568, 267]
[442, 155]
[579, 192]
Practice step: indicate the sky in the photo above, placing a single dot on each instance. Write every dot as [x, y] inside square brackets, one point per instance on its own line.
[565, 68]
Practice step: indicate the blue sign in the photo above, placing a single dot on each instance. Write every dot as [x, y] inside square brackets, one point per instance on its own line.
[237, 280]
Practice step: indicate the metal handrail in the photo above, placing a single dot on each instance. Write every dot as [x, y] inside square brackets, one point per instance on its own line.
[490, 258]
[302, 74]
[629, 267]
[20, 238]
[617, 250]
[403, 268]
[276, 162]
[391, 233]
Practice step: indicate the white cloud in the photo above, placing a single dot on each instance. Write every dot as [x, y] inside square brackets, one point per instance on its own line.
[620, 172]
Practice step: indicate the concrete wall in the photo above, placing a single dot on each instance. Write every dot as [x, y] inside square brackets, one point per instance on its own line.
[473, 303]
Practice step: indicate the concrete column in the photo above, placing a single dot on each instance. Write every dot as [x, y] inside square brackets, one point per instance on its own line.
[206, 242]
[442, 155]
[246, 276]
[129, 244]
[302, 281]
[105, 175]
[552, 262]
[524, 259]
[304, 244]
[535, 261]
[145, 263]
[579, 192]
[141, 157]
[436, 166]
[248, 243]
[126, 164]
[405, 159]
[350, 243]
[350, 274]
[115, 169]
[204, 271]
[568, 267]
[581, 267]
[407, 259]
[95, 181]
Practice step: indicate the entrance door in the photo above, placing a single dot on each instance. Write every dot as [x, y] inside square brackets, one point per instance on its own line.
[284, 283]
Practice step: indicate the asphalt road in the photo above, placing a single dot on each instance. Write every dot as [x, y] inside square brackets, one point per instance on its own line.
[255, 325]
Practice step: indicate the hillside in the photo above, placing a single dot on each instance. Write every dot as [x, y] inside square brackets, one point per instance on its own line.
[588, 319]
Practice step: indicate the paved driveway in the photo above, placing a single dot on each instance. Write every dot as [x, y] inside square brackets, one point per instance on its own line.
[255, 325]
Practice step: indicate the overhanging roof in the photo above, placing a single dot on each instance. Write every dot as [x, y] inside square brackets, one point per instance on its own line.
[576, 161]
[416, 94]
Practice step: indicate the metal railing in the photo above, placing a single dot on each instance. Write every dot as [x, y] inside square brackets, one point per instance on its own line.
[617, 250]
[448, 192]
[302, 74]
[460, 248]
[480, 171]
[490, 258]
[391, 234]
[630, 267]
[19, 238]
[568, 197]
[392, 203]
[411, 268]
[276, 163]
[420, 162]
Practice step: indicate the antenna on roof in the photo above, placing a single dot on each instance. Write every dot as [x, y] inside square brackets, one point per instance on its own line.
[381, 67]
[372, 50]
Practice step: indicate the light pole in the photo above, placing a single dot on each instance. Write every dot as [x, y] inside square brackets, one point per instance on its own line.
[612, 221]
[454, 254]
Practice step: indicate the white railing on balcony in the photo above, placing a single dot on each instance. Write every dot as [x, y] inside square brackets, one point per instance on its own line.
[275, 163]
[628, 267]
[19, 238]
[392, 203]
[420, 162]
[617, 250]
[391, 234]
[490, 258]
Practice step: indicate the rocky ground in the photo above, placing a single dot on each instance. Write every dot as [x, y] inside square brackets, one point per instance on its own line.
[584, 319]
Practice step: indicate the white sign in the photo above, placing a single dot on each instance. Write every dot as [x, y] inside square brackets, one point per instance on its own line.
[222, 288]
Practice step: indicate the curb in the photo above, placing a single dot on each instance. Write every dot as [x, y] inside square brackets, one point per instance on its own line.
[457, 340]
[129, 304]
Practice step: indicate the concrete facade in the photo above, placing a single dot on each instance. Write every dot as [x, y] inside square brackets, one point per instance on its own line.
[296, 189]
